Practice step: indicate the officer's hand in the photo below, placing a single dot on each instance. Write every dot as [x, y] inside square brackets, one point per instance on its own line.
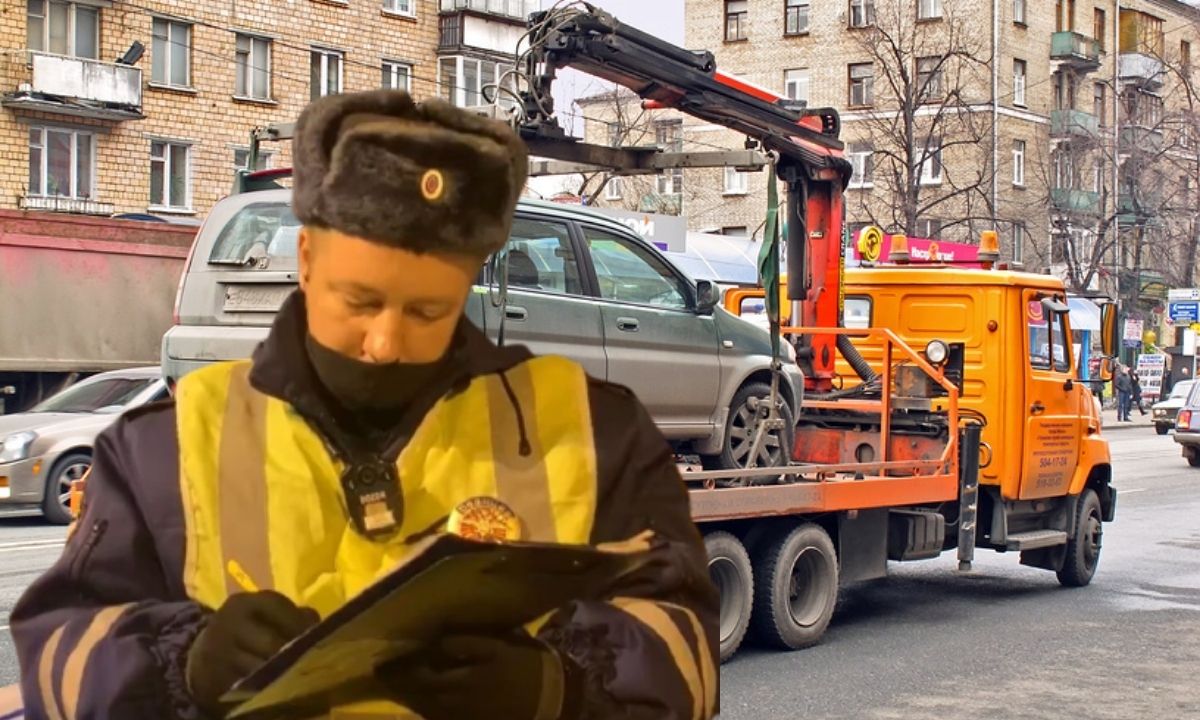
[465, 676]
[247, 630]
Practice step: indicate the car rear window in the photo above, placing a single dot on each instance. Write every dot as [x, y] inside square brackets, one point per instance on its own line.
[259, 234]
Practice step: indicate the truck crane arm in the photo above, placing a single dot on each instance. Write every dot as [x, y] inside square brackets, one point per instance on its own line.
[809, 156]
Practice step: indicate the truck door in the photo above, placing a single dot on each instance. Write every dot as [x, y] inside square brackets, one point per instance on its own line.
[1052, 398]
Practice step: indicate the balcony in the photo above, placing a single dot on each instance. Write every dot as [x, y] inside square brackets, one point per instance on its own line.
[1073, 124]
[1075, 50]
[1070, 200]
[1138, 138]
[1141, 207]
[1140, 69]
[78, 87]
[515, 9]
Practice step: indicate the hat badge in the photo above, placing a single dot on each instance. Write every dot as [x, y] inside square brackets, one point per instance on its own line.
[433, 185]
[485, 519]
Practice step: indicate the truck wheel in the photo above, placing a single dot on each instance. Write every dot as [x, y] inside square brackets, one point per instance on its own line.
[56, 502]
[739, 438]
[1162, 429]
[1083, 550]
[796, 587]
[1194, 458]
[729, 568]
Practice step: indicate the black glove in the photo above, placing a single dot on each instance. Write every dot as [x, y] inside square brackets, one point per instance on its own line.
[247, 630]
[511, 677]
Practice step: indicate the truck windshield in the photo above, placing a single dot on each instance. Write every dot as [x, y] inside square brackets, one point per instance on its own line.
[87, 397]
[265, 232]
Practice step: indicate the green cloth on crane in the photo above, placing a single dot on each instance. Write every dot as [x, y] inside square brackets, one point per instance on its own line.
[768, 260]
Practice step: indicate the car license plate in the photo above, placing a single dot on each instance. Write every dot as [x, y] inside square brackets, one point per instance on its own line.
[256, 298]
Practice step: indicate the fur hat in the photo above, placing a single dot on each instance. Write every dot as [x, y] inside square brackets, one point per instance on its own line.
[425, 177]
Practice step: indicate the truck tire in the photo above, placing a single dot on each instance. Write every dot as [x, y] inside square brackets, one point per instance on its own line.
[1162, 429]
[1194, 458]
[796, 587]
[1083, 550]
[735, 450]
[729, 568]
[72, 466]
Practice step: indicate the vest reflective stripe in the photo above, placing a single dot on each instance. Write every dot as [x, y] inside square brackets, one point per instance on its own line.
[242, 486]
[657, 620]
[290, 530]
[76, 664]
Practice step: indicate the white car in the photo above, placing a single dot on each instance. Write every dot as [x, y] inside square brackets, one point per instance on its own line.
[44, 449]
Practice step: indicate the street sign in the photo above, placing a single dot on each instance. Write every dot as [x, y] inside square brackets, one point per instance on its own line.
[1184, 313]
[1183, 294]
[1133, 329]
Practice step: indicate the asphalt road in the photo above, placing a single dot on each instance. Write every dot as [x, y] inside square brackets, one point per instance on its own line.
[1002, 642]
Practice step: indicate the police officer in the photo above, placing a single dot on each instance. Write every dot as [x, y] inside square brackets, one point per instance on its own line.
[221, 524]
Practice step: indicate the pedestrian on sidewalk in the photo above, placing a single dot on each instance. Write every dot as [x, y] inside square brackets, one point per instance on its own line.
[1124, 388]
[1137, 392]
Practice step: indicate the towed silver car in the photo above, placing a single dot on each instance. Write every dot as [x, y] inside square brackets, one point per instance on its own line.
[45, 449]
[580, 285]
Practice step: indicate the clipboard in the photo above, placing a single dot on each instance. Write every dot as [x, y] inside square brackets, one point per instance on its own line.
[447, 584]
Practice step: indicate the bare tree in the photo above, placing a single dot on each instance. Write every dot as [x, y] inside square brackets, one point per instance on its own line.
[930, 151]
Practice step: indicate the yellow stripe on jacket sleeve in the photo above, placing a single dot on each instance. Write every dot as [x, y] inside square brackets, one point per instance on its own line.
[76, 664]
[661, 624]
[45, 677]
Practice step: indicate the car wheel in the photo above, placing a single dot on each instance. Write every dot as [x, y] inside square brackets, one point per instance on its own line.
[730, 570]
[1194, 458]
[1083, 550]
[56, 502]
[1162, 429]
[776, 448]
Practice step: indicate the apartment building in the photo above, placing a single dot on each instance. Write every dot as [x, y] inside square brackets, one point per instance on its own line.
[1065, 127]
[116, 107]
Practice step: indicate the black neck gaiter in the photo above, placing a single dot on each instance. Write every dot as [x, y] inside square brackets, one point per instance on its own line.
[370, 388]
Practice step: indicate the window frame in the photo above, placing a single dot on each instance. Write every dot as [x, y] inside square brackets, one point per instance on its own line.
[935, 8]
[410, 13]
[738, 20]
[613, 189]
[1019, 149]
[866, 9]
[669, 182]
[1020, 82]
[923, 78]
[44, 164]
[740, 184]
[934, 177]
[456, 91]
[1020, 12]
[167, 58]
[391, 68]
[245, 74]
[867, 82]
[796, 82]
[568, 240]
[167, 162]
[72, 28]
[863, 177]
[265, 159]
[799, 10]
[319, 90]
[1019, 233]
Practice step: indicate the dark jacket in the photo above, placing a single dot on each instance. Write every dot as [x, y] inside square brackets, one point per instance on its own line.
[79, 651]
[1123, 383]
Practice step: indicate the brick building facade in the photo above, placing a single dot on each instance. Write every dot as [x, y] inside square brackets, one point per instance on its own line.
[163, 132]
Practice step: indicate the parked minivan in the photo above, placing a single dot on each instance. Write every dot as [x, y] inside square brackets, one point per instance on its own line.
[580, 285]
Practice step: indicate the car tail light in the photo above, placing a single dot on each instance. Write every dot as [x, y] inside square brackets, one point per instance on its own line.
[1184, 421]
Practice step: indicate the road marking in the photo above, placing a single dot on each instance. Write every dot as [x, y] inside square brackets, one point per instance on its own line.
[3, 628]
[1131, 490]
[23, 543]
[24, 547]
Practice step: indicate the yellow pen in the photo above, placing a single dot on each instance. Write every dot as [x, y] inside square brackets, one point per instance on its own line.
[241, 577]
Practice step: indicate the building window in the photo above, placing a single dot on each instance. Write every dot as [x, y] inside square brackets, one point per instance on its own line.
[929, 9]
[736, 183]
[61, 162]
[241, 159]
[1019, 12]
[862, 159]
[1185, 56]
[169, 175]
[669, 136]
[735, 231]
[172, 50]
[862, 84]
[1064, 170]
[63, 28]
[929, 78]
[325, 73]
[1019, 82]
[862, 13]
[1019, 163]
[928, 228]
[796, 84]
[612, 189]
[931, 162]
[1099, 27]
[1018, 242]
[795, 17]
[397, 76]
[737, 19]
[1098, 103]
[400, 7]
[463, 80]
[253, 63]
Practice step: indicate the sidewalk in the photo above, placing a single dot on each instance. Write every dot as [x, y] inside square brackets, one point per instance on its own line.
[1136, 420]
